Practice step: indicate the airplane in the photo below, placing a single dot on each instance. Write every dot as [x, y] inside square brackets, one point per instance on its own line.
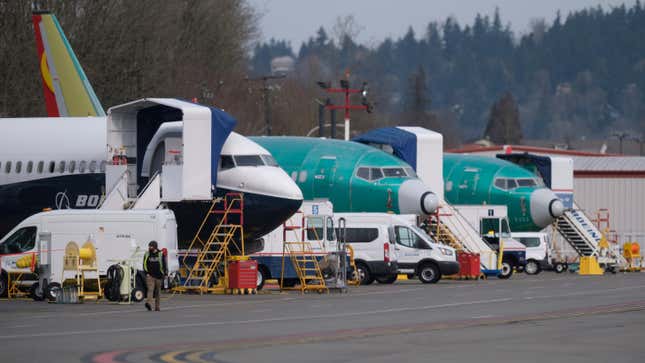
[60, 163]
[471, 180]
[353, 176]
[396, 190]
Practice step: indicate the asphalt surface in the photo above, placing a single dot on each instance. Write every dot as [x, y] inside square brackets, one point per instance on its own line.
[527, 318]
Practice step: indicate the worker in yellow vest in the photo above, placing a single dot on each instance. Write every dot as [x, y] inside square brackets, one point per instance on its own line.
[156, 267]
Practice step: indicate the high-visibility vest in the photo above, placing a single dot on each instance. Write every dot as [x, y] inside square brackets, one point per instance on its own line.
[161, 264]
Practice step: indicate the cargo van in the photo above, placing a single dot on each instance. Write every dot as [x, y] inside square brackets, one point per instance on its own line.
[116, 235]
[387, 244]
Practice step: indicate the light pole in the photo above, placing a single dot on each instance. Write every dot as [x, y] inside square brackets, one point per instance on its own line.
[266, 94]
[347, 91]
[620, 136]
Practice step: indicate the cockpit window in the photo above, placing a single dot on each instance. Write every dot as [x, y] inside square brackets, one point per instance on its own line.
[411, 173]
[526, 182]
[248, 160]
[500, 183]
[376, 174]
[394, 172]
[269, 160]
[363, 173]
[227, 162]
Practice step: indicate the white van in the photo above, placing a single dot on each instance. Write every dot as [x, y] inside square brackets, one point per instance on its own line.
[537, 250]
[117, 235]
[388, 244]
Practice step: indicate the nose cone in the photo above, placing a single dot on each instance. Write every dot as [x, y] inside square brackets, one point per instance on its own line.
[545, 207]
[416, 198]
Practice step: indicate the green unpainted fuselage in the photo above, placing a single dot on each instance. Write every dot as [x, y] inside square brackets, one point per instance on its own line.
[472, 179]
[325, 168]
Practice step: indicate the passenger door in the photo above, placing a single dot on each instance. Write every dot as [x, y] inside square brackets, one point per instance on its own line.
[324, 177]
[468, 185]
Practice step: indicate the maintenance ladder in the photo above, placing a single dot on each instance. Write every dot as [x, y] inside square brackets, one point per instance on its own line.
[303, 259]
[305, 263]
[221, 230]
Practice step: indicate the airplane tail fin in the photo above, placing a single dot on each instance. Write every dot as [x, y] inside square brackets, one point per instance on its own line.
[67, 90]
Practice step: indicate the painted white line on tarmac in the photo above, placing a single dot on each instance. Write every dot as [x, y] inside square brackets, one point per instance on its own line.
[253, 321]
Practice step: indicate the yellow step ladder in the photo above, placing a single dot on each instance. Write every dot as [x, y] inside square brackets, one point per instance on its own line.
[220, 232]
[305, 263]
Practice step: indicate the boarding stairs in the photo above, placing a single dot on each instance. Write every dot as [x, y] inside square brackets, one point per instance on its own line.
[220, 232]
[305, 263]
[584, 237]
[118, 196]
[449, 227]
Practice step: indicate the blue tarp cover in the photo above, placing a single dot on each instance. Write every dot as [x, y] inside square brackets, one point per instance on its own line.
[221, 126]
[403, 143]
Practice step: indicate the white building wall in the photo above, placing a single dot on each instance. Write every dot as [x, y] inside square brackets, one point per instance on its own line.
[623, 197]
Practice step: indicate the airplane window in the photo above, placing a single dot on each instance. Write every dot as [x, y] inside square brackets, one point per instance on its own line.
[22, 240]
[303, 176]
[500, 183]
[7, 167]
[82, 166]
[227, 162]
[72, 166]
[0, 165]
[248, 160]
[102, 166]
[526, 182]
[269, 160]
[30, 167]
[511, 184]
[376, 174]
[52, 166]
[61, 167]
[394, 172]
[93, 166]
[41, 167]
[363, 173]
[411, 172]
[18, 166]
[294, 175]
[539, 182]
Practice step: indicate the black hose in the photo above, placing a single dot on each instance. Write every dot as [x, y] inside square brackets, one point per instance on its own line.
[113, 287]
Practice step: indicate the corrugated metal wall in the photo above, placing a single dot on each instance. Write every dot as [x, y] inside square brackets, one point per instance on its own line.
[624, 197]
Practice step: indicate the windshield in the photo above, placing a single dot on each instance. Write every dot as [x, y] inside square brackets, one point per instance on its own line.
[394, 172]
[506, 231]
[269, 160]
[23, 240]
[422, 234]
[248, 160]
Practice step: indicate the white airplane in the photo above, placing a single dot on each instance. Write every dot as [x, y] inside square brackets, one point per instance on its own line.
[60, 162]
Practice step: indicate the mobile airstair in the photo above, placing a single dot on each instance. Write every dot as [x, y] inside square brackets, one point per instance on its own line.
[584, 237]
[449, 227]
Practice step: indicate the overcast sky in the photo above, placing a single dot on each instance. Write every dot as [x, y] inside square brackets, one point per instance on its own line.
[297, 20]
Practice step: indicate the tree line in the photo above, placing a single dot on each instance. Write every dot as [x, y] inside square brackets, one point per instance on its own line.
[582, 75]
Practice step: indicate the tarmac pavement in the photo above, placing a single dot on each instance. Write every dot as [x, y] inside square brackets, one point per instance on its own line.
[527, 318]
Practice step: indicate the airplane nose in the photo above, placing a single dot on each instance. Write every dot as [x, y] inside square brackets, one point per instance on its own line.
[416, 198]
[545, 207]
